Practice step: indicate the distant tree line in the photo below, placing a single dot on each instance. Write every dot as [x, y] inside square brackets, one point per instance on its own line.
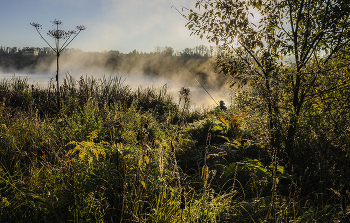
[14, 59]
[162, 62]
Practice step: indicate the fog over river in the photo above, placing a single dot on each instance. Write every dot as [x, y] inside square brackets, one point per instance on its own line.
[199, 97]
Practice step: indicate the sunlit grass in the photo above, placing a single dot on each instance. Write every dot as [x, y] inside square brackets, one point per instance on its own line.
[113, 155]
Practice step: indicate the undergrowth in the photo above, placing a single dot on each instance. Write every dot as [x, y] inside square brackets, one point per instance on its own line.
[106, 153]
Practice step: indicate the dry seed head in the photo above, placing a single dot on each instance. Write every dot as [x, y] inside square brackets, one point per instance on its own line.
[80, 27]
[58, 34]
[36, 25]
[56, 22]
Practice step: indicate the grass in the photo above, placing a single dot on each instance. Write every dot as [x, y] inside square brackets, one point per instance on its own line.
[111, 154]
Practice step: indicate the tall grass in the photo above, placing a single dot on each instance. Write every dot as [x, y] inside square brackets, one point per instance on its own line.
[113, 154]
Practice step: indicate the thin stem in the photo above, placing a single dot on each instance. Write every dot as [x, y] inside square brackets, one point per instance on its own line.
[45, 40]
[64, 46]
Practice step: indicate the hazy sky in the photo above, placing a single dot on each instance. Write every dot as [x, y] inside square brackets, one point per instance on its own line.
[122, 25]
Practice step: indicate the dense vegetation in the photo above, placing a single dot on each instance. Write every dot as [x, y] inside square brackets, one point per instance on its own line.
[97, 151]
[116, 155]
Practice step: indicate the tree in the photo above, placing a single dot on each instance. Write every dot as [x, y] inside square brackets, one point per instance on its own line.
[257, 35]
[168, 51]
[57, 34]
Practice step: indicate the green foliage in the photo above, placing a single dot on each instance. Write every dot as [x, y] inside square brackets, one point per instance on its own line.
[315, 34]
[297, 106]
[115, 155]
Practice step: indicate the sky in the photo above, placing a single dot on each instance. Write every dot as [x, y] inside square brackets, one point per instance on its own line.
[122, 25]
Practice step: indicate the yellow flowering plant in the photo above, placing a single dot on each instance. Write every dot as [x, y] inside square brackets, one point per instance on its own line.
[89, 150]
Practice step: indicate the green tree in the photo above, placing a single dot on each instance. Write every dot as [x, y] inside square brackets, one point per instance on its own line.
[257, 37]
